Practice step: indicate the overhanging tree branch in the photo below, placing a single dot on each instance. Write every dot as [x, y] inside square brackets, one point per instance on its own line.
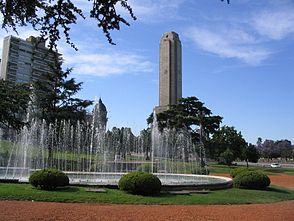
[53, 18]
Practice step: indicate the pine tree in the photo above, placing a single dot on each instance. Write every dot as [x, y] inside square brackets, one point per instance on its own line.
[14, 100]
[55, 96]
[189, 113]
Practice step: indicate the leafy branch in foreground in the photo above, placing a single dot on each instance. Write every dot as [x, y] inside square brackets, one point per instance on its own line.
[51, 17]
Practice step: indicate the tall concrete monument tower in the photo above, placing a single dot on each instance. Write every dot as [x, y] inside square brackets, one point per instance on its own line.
[170, 71]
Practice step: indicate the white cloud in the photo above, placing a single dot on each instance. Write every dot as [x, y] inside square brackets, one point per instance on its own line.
[87, 62]
[275, 24]
[150, 11]
[107, 64]
[251, 39]
[229, 44]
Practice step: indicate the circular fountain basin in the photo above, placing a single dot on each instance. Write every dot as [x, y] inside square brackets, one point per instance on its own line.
[169, 181]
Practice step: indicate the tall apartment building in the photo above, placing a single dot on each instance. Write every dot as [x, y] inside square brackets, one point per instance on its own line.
[25, 61]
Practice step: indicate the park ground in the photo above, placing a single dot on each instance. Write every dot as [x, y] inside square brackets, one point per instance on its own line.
[48, 211]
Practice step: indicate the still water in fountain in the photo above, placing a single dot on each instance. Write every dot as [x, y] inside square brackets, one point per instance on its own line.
[89, 153]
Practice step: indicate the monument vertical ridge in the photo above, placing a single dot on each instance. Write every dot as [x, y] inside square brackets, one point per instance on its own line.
[170, 71]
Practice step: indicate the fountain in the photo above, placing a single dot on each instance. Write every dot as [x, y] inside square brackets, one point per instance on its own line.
[90, 155]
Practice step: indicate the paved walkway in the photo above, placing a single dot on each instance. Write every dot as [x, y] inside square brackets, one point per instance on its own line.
[22, 211]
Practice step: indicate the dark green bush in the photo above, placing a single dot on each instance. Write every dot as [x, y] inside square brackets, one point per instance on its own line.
[141, 183]
[238, 170]
[48, 179]
[251, 180]
[226, 157]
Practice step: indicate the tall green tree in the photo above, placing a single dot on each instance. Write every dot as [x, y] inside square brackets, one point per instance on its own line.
[145, 136]
[120, 142]
[51, 18]
[54, 100]
[227, 138]
[55, 97]
[14, 99]
[189, 113]
[251, 154]
[226, 157]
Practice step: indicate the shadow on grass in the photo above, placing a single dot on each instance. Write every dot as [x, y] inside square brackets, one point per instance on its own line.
[67, 189]
[160, 195]
[273, 189]
[168, 194]
[165, 194]
[277, 190]
[268, 189]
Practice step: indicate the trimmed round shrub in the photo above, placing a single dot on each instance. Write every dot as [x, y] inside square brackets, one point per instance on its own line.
[252, 180]
[48, 179]
[238, 170]
[140, 183]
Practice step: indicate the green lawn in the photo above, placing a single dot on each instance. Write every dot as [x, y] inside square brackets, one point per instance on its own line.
[79, 194]
[216, 168]
[275, 171]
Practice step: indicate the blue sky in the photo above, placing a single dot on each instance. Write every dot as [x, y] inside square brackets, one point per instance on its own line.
[238, 59]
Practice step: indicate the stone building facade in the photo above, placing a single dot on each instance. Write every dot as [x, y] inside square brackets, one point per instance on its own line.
[25, 61]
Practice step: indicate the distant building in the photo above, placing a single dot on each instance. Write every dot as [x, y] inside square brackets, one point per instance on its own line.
[25, 61]
[170, 71]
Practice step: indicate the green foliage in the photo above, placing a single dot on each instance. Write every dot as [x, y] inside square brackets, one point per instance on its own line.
[251, 154]
[48, 179]
[120, 141]
[251, 180]
[140, 183]
[56, 97]
[189, 113]
[52, 18]
[13, 103]
[227, 138]
[236, 171]
[146, 141]
[227, 157]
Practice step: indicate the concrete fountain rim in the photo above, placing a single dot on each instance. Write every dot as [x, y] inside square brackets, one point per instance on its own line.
[180, 183]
